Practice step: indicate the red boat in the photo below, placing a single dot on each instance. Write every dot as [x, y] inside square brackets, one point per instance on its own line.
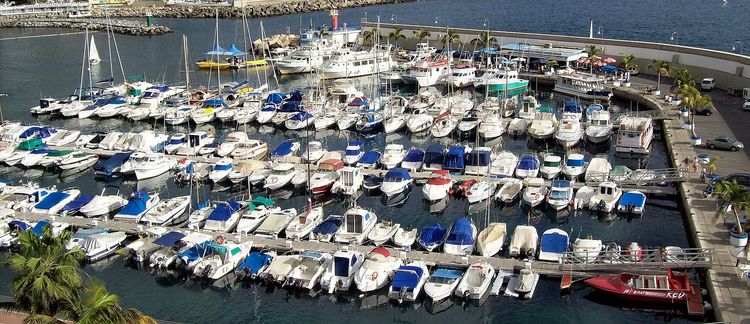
[670, 288]
[322, 180]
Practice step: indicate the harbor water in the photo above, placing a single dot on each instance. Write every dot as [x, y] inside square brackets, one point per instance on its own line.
[52, 67]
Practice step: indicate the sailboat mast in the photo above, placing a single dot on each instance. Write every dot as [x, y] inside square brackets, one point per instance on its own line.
[218, 68]
[244, 40]
[185, 58]
[85, 58]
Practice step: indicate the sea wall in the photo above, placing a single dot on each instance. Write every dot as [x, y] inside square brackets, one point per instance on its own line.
[121, 26]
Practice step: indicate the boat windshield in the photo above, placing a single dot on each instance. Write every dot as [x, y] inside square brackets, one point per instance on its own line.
[552, 164]
[442, 280]
[558, 194]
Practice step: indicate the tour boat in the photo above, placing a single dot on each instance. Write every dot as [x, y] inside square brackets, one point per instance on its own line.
[544, 124]
[308, 271]
[476, 281]
[635, 135]
[281, 175]
[392, 155]
[409, 281]
[429, 72]
[346, 63]
[358, 222]
[551, 166]
[491, 239]
[632, 202]
[504, 164]
[668, 289]
[554, 245]
[524, 241]
[168, 212]
[574, 166]
[509, 191]
[383, 232]
[138, 204]
[103, 203]
[339, 275]
[606, 197]
[528, 166]
[598, 170]
[560, 195]
[413, 160]
[437, 186]
[377, 270]
[442, 283]
[584, 86]
[599, 128]
[432, 237]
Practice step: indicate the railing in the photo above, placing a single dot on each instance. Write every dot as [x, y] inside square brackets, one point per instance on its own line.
[635, 261]
[649, 177]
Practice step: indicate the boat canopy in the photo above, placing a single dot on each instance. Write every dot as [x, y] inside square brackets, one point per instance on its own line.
[52, 200]
[76, 204]
[30, 132]
[254, 262]
[169, 239]
[292, 106]
[634, 198]
[196, 251]
[30, 144]
[554, 242]
[329, 226]
[136, 204]
[232, 51]
[594, 107]
[109, 165]
[19, 224]
[478, 158]
[275, 98]
[545, 109]
[528, 162]
[561, 183]
[39, 228]
[370, 157]
[407, 277]
[382, 251]
[435, 154]
[284, 148]
[432, 234]
[261, 201]
[223, 212]
[448, 273]
[454, 160]
[414, 155]
[59, 152]
[295, 95]
[84, 233]
[461, 232]
[397, 174]
[302, 116]
[572, 105]
[223, 166]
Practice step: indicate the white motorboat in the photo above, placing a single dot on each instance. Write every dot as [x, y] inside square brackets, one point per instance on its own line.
[104, 203]
[140, 249]
[462, 75]
[587, 250]
[347, 120]
[584, 86]
[168, 256]
[138, 204]
[281, 175]
[54, 202]
[77, 240]
[598, 170]
[394, 123]
[437, 186]
[583, 196]
[442, 283]
[349, 181]
[518, 126]
[77, 161]
[223, 217]
[339, 275]
[544, 124]
[419, 121]
[551, 166]
[353, 152]
[254, 216]
[444, 127]
[392, 155]
[109, 140]
[480, 191]
[275, 223]
[476, 282]
[554, 245]
[168, 212]
[599, 128]
[358, 222]
[309, 270]
[113, 108]
[504, 164]
[395, 181]
[221, 170]
[560, 195]
[491, 127]
[34, 157]
[63, 137]
[509, 191]
[408, 282]
[326, 230]
[528, 166]
[523, 284]
[383, 232]
[606, 197]
[535, 192]
[230, 142]
[469, 122]
[102, 245]
[313, 152]
[152, 165]
[302, 225]
[461, 237]
[405, 237]
[300, 120]
[252, 149]
[524, 241]
[175, 142]
[491, 239]
[377, 270]
[569, 131]
[575, 166]
[222, 260]
[632, 202]
[280, 267]
[196, 141]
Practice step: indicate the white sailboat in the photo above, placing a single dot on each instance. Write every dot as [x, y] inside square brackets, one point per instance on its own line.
[94, 58]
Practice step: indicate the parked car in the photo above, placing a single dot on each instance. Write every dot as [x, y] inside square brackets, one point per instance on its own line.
[746, 105]
[703, 112]
[708, 84]
[741, 178]
[725, 143]
[704, 158]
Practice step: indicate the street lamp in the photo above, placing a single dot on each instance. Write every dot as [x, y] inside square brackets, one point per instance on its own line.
[600, 31]
[675, 37]
[734, 48]
[436, 22]
[393, 17]
[484, 23]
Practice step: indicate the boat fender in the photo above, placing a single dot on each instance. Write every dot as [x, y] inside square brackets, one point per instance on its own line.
[220, 239]
[374, 276]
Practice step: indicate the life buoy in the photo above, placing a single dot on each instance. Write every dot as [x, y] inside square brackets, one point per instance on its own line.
[220, 239]
[374, 276]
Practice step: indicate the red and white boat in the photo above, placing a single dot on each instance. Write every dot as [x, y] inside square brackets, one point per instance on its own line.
[438, 186]
[322, 180]
[670, 288]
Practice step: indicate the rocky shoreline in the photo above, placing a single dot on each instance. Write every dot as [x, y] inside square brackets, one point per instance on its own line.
[120, 26]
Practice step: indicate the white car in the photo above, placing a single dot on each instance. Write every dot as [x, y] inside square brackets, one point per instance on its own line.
[708, 84]
[746, 105]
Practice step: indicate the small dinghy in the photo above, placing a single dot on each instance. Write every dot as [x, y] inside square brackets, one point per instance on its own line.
[442, 283]
[405, 237]
[524, 241]
[383, 232]
[432, 237]
[475, 283]
[509, 191]
[554, 244]
[632, 202]
[523, 284]
[491, 239]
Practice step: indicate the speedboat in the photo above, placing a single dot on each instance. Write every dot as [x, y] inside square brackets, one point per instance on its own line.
[102, 245]
[523, 284]
[252, 149]
[152, 165]
[221, 170]
[223, 217]
[222, 260]
[669, 288]
[419, 121]
[632, 202]
[444, 127]
[78, 238]
[606, 197]
[358, 222]
[383, 232]
[174, 247]
[103, 203]
[535, 192]
[598, 170]
[394, 123]
[369, 160]
[314, 152]
[479, 191]
[574, 166]
[353, 152]
[554, 245]
[279, 268]
[509, 191]
[302, 225]
[168, 212]
[442, 283]
[34, 157]
[309, 270]
[254, 264]
[583, 196]
[339, 275]
[469, 122]
[491, 239]
[560, 195]
[281, 175]
[461, 237]
[256, 213]
[544, 124]
[72, 207]
[405, 237]
[392, 155]
[369, 122]
[112, 165]
[524, 241]
[138, 204]
[476, 281]
[437, 186]
[300, 120]
[587, 250]
[230, 142]
[377, 270]
[140, 249]
[528, 166]
[569, 131]
[323, 179]
[396, 180]
[504, 164]
[413, 160]
[491, 127]
[55, 201]
[326, 230]
[77, 161]
[275, 223]
[432, 237]
[551, 166]
[408, 282]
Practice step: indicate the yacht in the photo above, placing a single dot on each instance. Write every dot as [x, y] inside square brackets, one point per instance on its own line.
[544, 124]
[252, 149]
[420, 120]
[152, 165]
[429, 72]
[584, 86]
[305, 59]
[347, 63]
[569, 131]
[230, 142]
[302, 225]
[221, 170]
[599, 128]
[635, 135]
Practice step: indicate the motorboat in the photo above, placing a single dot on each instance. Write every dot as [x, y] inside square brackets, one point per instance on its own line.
[112, 165]
[138, 204]
[469, 121]
[77, 161]
[462, 75]
[223, 217]
[408, 282]
[101, 245]
[551, 166]
[528, 166]
[358, 222]
[207, 112]
[476, 282]
[104, 203]
[191, 244]
[152, 165]
[455, 161]
[491, 127]
[369, 160]
[229, 143]
[175, 142]
[518, 126]
[606, 197]
[634, 135]
[669, 288]
[554, 245]
[195, 142]
[73, 206]
[284, 150]
[300, 120]
[413, 160]
[369, 122]
[279, 268]
[442, 283]
[383, 232]
[599, 128]
[620, 173]
[432, 237]
[560, 195]
[587, 250]
[524, 241]
[113, 107]
[480, 191]
[461, 237]
[392, 156]
[444, 127]
[523, 284]
[348, 182]
[309, 270]
[281, 175]
[434, 157]
[353, 152]
[275, 223]
[323, 179]
[632, 202]
[394, 123]
[302, 225]
[34, 157]
[437, 186]
[598, 170]
[314, 152]
[544, 124]
[574, 166]
[491, 239]
[75, 241]
[55, 201]
[405, 237]
[504, 164]
[63, 137]
[477, 161]
[569, 131]
[252, 149]
[583, 196]
[377, 270]
[140, 249]
[420, 120]
[221, 259]
[197, 217]
[326, 230]
[221, 170]
[509, 191]
[255, 214]
[535, 192]
[347, 120]
[168, 212]
[254, 264]
[339, 275]
[396, 180]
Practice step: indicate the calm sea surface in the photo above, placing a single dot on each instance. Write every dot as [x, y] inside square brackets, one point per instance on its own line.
[52, 67]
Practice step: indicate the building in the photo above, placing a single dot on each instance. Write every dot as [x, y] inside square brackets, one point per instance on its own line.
[70, 8]
[547, 52]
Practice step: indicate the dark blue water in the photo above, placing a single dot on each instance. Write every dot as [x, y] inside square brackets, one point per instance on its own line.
[51, 66]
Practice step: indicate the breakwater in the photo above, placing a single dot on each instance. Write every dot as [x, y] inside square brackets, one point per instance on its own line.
[120, 26]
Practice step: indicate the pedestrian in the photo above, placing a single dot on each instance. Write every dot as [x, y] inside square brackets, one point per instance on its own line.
[703, 174]
[695, 167]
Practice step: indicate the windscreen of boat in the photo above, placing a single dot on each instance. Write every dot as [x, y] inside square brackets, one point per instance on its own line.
[353, 150]
[552, 163]
[341, 266]
[558, 194]
[354, 223]
[176, 140]
[528, 163]
[223, 167]
[575, 163]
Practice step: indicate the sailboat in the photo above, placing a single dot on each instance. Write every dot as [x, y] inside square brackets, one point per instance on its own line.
[94, 58]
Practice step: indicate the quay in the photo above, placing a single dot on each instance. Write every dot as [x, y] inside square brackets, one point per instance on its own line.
[128, 27]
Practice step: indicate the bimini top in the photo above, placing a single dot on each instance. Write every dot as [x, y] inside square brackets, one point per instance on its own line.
[432, 234]
[136, 204]
[295, 95]
[461, 232]
[414, 155]
[261, 201]
[575, 162]
[76, 204]
[196, 251]
[354, 148]
[169, 239]
[114, 162]
[397, 174]
[21, 225]
[448, 273]
[528, 162]
[223, 212]
[328, 226]
[291, 106]
[407, 277]
[370, 157]
[254, 262]
[52, 200]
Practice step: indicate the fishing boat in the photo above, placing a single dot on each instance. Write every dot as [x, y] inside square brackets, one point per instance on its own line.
[455, 159]
[509, 191]
[392, 155]
[544, 124]
[353, 152]
[432, 237]
[138, 204]
[574, 166]
[528, 166]
[396, 180]
[503, 80]
[408, 282]
[587, 250]
[309, 270]
[383, 232]
[327, 229]
[437, 186]
[535, 192]
[583, 196]
[560, 195]
[475, 283]
[524, 241]
[339, 275]
[281, 175]
[275, 223]
[598, 170]
[377, 270]
[168, 212]
[405, 237]
[632, 202]
[491, 239]
[434, 157]
[442, 283]
[102, 245]
[358, 222]
[606, 197]
[55, 201]
[554, 245]
[221, 259]
[599, 128]
[635, 135]
[223, 217]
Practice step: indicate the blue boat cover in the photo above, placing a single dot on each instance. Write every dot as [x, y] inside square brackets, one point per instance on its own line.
[46, 131]
[169, 239]
[223, 167]
[223, 212]
[254, 262]
[572, 105]
[561, 183]
[414, 155]
[328, 226]
[554, 243]
[41, 151]
[461, 232]
[161, 88]
[353, 151]
[454, 160]
[593, 107]
[291, 106]
[284, 148]
[275, 98]
[373, 181]
[448, 273]
[39, 228]
[52, 200]
[136, 204]
[31, 131]
[179, 140]
[84, 233]
[432, 234]
[575, 163]
[528, 162]
[215, 103]
[435, 154]
[296, 95]
[20, 224]
[109, 165]
[196, 252]
[478, 158]
[76, 204]
[370, 157]
[397, 174]
[407, 277]
[636, 199]
[302, 116]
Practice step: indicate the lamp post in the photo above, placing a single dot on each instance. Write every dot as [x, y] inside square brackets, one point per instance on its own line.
[734, 47]
[600, 31]
[675, 37]
[436, 20]
[393, 17]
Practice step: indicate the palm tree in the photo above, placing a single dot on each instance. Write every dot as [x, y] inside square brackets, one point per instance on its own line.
[693, 101]
[627, 62]
[96, 305]
[369, 36]
[683, 77]
[484, 40]
[422, 34]
[712, 165]
[396, 35]
[451, 37]
[592, 53]
[732, 195]
[661, 68]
